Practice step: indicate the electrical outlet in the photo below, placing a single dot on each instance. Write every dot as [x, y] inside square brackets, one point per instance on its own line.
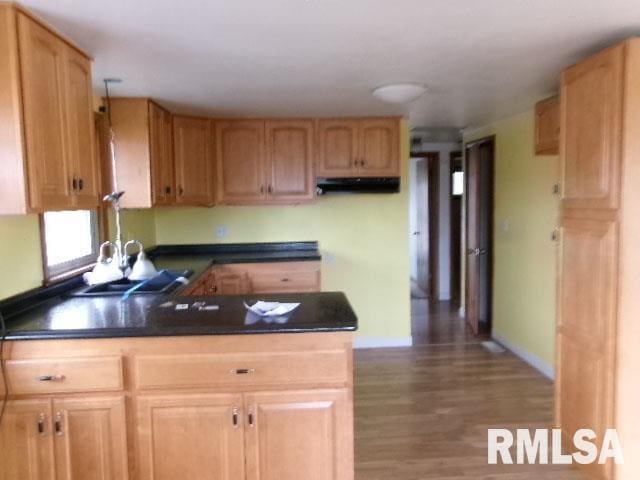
[222, 231]
[329, 258]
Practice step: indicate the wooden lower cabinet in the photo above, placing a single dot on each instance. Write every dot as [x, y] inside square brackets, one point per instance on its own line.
[230, 407]
[26, 444]
[90, 438]
[277, 435]
[295, 435]
[245, 278]
[66, 439]
[198, 437]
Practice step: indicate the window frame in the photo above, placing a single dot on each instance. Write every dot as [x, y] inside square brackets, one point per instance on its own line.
[77, 265]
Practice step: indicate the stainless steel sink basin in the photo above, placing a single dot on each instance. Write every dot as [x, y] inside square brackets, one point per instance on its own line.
[160, 284]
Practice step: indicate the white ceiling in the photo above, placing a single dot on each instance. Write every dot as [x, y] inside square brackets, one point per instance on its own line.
[482, 60]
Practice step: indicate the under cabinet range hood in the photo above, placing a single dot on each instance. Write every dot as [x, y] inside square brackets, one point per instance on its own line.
[358, 185]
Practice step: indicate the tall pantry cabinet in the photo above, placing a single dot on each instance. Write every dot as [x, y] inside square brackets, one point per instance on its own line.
[598, 341]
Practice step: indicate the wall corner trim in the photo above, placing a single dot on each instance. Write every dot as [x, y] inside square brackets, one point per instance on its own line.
[382, 342]
[536, 362]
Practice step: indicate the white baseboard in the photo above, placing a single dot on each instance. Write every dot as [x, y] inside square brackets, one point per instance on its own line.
[536, 362]
[381, 342]
[461, 312]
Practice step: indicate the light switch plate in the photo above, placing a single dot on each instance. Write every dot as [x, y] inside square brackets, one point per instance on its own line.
[221, 231]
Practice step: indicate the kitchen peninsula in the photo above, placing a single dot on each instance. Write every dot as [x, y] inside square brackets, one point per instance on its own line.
[116, 388]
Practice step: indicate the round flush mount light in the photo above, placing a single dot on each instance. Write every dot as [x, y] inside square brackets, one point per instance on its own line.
[400, 92]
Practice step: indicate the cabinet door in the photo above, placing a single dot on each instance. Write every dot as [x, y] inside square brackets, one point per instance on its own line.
[547, 128]
[90, 438]
[80, 133]
[230, 283]
[26, 441]
[294, 435]
[161, 152]
[586, 327]
[290, 160]
[337, 148]
[379, 153]
[240, 160]
[199, 437]
[193, 161]
[42, 67]
[591, 124]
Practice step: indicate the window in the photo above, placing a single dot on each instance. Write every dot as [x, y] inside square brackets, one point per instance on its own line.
[457, 184]
[70, 241]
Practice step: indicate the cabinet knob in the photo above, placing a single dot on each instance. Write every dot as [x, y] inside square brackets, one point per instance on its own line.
[58, 424]
[270, 189]
[243, 371]
[234, 417]
[41, 420]
[80, 184]
[74, 183]
[180, 190]
[167, 190]
[50, 378]
[251, 418]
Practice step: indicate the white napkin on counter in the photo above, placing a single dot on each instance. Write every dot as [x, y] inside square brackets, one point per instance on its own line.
[271, 309]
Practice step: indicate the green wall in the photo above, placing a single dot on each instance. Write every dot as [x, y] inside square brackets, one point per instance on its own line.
[524, 254]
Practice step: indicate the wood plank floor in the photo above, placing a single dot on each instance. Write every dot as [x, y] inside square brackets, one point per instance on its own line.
[423, 412]
[439, 322]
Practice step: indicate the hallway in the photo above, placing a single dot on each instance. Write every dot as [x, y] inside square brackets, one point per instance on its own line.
[438, 323]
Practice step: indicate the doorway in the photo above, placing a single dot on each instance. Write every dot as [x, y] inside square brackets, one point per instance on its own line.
[457, 189]
[479, 202]
[424, 224]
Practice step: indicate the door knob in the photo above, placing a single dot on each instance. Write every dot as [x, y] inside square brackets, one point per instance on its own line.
[417, 232]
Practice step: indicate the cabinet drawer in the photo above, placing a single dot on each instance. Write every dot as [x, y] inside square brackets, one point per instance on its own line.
[285, 281]
[240, 369]
[63, 375]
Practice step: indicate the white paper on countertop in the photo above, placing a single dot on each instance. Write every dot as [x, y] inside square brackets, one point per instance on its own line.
[271, 309]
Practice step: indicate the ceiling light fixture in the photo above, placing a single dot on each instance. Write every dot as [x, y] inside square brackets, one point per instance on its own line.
[400, 92]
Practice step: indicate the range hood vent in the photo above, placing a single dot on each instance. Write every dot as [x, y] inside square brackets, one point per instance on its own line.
[358, 185]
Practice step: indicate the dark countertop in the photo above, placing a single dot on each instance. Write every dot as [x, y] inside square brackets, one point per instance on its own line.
[142, 316]
[60, 317]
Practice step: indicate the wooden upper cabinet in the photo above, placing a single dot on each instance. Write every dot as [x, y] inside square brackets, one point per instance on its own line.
[290, 160]
[161, 148]
[337, 148]
[90, 443]
[591, 123]
[194, 161]
[81, 143]
[304, 434]
[240, 161]
[199, 437]
[47, 127]
[144, 152]
[43, 66]
[26, 441]
[379, 148]
[547, 127]
[358, 147]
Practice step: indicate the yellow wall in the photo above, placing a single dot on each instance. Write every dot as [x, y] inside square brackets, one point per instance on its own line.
[367, 234]
[20, 255]
[525, 255]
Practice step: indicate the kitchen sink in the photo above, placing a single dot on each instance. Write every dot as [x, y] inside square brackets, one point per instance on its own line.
[164, 282]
